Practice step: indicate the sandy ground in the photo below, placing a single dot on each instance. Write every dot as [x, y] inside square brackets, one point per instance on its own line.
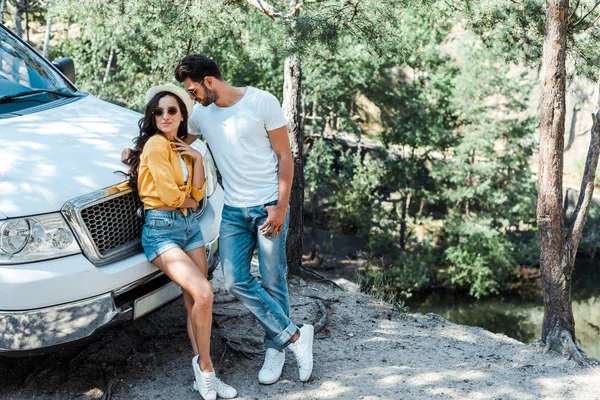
[367, 350]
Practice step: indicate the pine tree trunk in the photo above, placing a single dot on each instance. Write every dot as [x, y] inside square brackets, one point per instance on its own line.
[404, 204]
[292, 86]
[2, 7]
[18, 17]
[556, 263]
[109, 63]
[48, 30]
[27, 21]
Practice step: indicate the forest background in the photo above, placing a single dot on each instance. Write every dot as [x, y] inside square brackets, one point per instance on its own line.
[420, 117]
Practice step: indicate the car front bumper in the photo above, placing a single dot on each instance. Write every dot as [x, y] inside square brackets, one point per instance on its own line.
[27, 331]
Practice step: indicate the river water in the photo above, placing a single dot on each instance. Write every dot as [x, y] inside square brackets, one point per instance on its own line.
[520, 315]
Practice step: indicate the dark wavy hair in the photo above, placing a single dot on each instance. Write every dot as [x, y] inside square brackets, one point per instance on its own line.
[196, 67]
[148, 128]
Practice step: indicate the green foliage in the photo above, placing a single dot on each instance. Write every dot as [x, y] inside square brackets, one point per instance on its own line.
[359, 191]
[515, 31]
[148, 37]
[481, 259]
[489, 171]
[458, 146]
[487, 182]
[402, 275]
[319, 166]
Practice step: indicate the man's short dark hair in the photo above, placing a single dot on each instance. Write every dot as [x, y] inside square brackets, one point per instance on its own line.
[196, 67]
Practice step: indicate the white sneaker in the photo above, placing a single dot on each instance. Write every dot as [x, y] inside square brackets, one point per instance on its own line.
[272, 367]
[224, 391]
[205, 381]
[303, 350]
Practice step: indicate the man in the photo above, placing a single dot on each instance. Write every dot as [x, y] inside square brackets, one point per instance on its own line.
[246, 131]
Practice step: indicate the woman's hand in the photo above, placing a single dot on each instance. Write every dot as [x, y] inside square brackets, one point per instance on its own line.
[184, 148]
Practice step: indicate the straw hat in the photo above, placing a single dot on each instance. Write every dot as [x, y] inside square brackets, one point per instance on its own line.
[176, 90]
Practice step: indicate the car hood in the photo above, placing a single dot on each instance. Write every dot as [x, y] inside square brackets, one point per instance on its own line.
[52, 156]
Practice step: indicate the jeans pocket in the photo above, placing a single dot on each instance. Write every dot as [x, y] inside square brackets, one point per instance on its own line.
[271, 203]
[159, 222]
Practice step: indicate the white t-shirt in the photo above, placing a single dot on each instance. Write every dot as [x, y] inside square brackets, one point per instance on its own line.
[184, 168]
[237, 136]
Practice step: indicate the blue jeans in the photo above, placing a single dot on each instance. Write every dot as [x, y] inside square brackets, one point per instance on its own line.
[269, 300]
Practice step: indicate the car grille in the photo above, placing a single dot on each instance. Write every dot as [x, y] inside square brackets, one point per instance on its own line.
[114, 223]
[108, 223]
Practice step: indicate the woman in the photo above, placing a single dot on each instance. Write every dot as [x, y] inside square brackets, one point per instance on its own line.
[169, 177]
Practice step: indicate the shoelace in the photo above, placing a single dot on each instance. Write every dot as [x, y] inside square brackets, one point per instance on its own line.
[209, 384]
[300, 360]
[270, 363]
[221, 386]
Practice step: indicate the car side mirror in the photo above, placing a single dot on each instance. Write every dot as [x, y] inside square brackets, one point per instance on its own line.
[66, 66]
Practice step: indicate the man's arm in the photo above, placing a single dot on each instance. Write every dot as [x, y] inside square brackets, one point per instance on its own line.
[191, 138]
[285, 173]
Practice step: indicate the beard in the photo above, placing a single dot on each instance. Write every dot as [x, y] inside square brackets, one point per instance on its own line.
[210, 96]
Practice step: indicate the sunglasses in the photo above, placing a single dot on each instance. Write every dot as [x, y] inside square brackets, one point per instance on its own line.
[171, 111]
[193, 91]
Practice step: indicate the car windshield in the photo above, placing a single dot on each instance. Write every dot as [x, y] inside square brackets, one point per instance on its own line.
[23, 70]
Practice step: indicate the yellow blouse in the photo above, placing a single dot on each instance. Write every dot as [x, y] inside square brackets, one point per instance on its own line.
[160, 177]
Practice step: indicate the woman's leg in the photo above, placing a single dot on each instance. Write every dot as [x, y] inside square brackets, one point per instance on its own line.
[182, 270]
[189, 304]
[199, 258]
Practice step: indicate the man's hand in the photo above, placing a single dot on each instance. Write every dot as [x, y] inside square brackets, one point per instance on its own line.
[125, 155]
[275, 220]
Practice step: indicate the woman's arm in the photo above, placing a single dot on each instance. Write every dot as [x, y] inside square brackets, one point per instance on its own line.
[198, 174]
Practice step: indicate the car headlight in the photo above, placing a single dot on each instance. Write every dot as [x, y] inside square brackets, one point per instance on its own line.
[37, 238]
[211, 173]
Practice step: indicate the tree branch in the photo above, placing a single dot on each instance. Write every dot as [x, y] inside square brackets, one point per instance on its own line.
[580, 214]
[585, 16]
[271, 11]
[592, 25]
[574, 10]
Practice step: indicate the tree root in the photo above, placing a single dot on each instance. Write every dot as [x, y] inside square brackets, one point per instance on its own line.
[109, 378]
[228, 298]
[561, 341]
[322, 322]
[237, 344]
[323, 299]
[307, 272]
[223, 355]
[239, 347]
[227, 317]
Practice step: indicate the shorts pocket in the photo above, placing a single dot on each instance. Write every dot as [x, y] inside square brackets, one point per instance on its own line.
[159, 223]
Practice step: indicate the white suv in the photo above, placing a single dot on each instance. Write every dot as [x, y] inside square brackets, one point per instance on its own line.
[70, 254]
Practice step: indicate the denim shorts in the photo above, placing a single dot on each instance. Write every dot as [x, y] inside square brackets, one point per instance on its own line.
[164, 230]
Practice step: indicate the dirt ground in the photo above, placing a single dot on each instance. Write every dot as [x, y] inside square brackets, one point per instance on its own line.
[366, 350]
